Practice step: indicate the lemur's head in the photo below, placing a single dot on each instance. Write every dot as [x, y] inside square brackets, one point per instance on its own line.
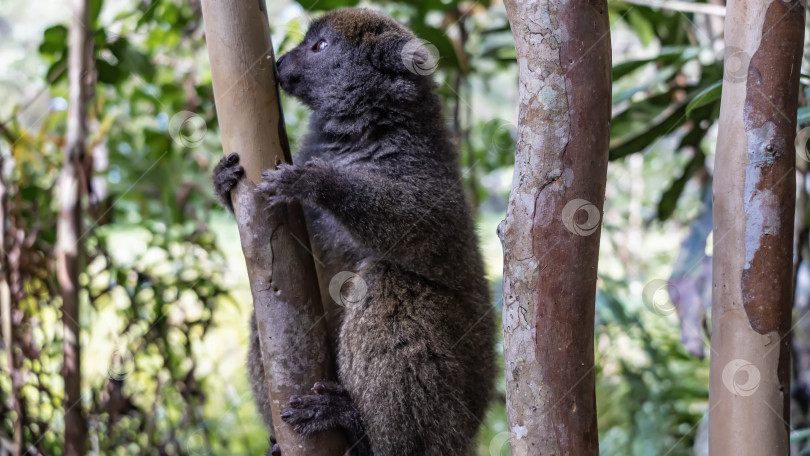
[352, 58]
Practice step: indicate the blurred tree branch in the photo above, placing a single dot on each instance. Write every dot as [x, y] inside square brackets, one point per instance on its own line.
[69, 249]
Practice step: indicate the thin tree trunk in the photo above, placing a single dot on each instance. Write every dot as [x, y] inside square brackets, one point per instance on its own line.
[552, 226]
[754, 194]
[69, 247]
[5, 319]
[286, 298]
[800, 343]
[461, 128]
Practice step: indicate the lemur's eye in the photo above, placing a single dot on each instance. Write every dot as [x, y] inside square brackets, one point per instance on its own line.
[320, 46]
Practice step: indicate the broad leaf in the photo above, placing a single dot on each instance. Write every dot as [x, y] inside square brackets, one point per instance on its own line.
[708, 95]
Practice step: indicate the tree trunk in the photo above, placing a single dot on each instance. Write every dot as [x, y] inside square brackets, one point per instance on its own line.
[69, 246]
[754, 197]
[286, 298]
[13, 399]
[552, 227]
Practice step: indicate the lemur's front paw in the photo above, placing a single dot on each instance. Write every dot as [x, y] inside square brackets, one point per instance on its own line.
[274, 448]
[226, 175]
[289, 183]
[320, 411]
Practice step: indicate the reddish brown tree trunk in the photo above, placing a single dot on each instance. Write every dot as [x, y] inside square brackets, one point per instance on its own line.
[552, 226]
[286, 298]
[754, 193]
[69, 247]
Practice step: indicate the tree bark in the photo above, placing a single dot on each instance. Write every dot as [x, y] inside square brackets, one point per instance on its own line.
[552, 227]
[69, 247]
[286, 298]
[754, 195]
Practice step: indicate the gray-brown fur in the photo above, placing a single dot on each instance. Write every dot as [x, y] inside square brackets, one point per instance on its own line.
[378, 176]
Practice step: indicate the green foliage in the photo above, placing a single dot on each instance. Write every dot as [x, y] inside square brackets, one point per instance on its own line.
[708, 95]
[654, 394]
[153, 276]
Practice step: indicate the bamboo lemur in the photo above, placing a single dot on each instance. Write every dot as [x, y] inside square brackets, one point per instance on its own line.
[379, 179]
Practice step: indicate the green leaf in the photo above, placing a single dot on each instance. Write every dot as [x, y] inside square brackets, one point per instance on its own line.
[447, 52]
[662, 76]
[54, 41]
[799, 435]
[157, 142]
[669, 55]
[643, 27]
[130, 60]
[58, 70]
[708, 95]
[639, 114]
[499, 44]
[663, 124]
[149, 12]
[669, 199]
[622, 69]
[107, 73]
[95, 9]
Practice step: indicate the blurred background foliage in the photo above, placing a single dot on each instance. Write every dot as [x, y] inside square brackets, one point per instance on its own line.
[165, 299]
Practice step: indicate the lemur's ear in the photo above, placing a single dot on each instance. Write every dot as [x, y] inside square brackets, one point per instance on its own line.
[400, 54]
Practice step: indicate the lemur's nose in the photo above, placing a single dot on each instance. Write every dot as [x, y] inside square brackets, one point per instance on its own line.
[280, 59]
